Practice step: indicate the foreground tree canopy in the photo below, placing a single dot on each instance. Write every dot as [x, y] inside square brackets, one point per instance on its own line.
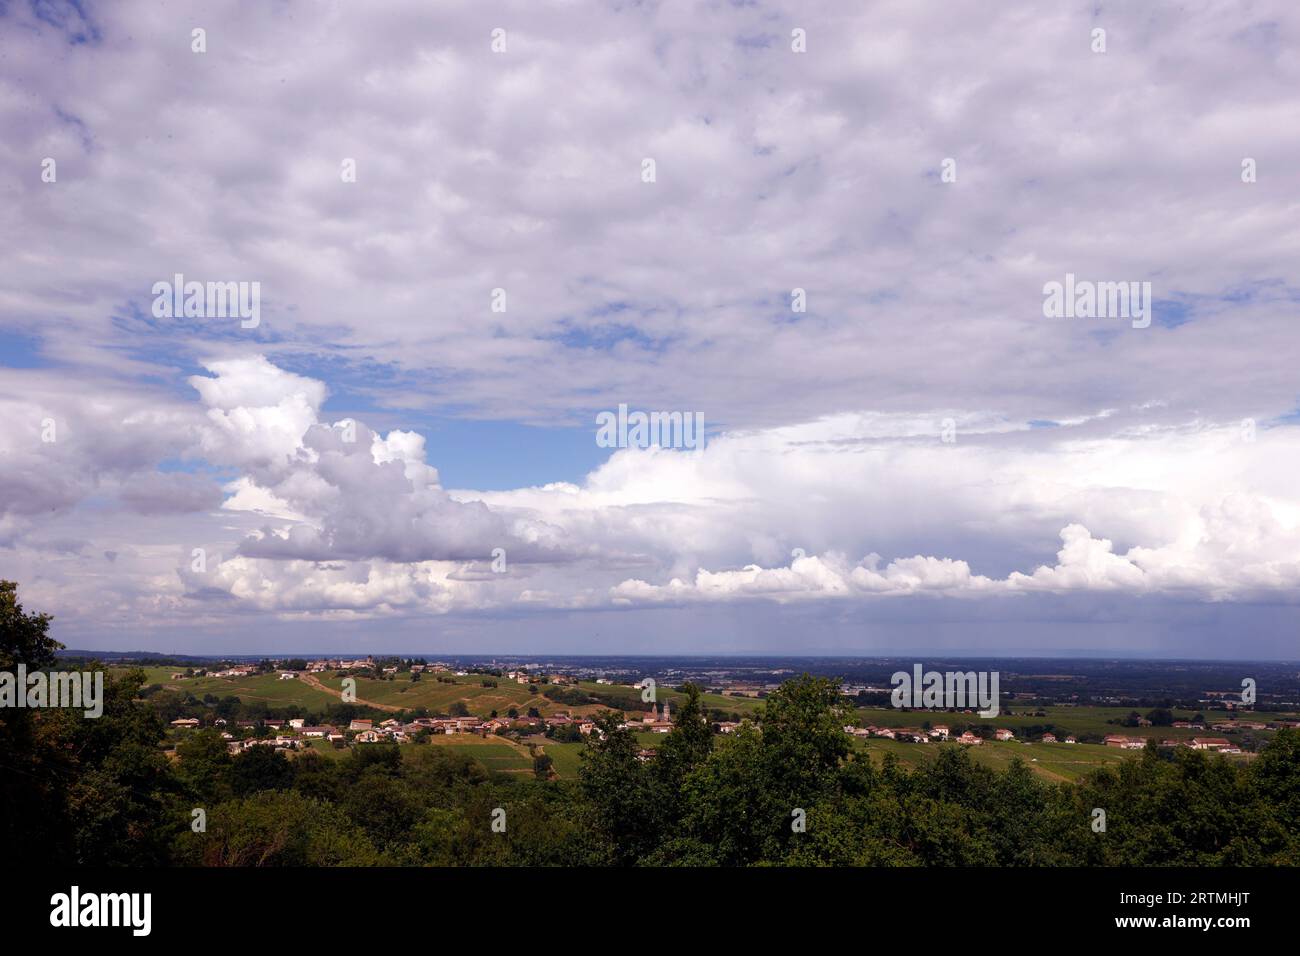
[786, 790]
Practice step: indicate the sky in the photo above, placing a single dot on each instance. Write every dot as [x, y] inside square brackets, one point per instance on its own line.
[825, 230]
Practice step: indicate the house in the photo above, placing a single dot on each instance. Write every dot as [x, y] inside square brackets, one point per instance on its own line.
[1125, 743]
[287, 675]
[940, 731]
[969, 738]
[1209, 743]
[361, 725]
[1002, 733]
[1071, 739]
[368, 737]
[316, 731]
[178, 677]
[646, 754]
[730, 726]
[296, 723]
[1049, 738]
[454, 725]
[885, 732]
[187, 723]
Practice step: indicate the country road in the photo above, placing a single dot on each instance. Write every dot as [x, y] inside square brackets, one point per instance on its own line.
[311, 681]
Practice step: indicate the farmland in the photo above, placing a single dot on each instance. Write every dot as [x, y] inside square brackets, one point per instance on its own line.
[1095, 721]
[1052, 761]
[495, 753]
[630, 697]
[263, 688]
[428, 693]
[438, 694]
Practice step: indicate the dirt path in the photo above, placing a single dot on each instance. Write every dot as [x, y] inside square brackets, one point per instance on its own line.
[311, 681]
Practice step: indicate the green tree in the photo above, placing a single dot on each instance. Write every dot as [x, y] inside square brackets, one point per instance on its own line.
[622, 791]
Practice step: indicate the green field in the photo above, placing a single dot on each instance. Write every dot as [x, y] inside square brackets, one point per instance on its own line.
[402, 693]
[438, 696]
[1062, 720]
[493, 752]
[565, 758]
[1058, 762]
[629, 697]
[267, 688]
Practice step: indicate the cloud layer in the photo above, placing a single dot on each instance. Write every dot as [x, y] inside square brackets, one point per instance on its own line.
[1088, 458]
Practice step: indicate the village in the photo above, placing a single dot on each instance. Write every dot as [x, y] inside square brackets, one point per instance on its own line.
[940, 732]
[295, 733]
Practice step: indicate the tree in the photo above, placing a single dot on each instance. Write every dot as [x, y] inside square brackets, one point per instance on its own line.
[277, 829]
[204, 762]
[1160, 717]
[24, 638]
[259, 768]
[686, 747]
[622, 791]
[36, 767]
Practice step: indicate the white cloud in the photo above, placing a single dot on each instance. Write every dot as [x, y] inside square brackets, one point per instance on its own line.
[776, 171]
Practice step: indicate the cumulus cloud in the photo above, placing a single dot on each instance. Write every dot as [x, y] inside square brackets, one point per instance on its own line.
[364, 518]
